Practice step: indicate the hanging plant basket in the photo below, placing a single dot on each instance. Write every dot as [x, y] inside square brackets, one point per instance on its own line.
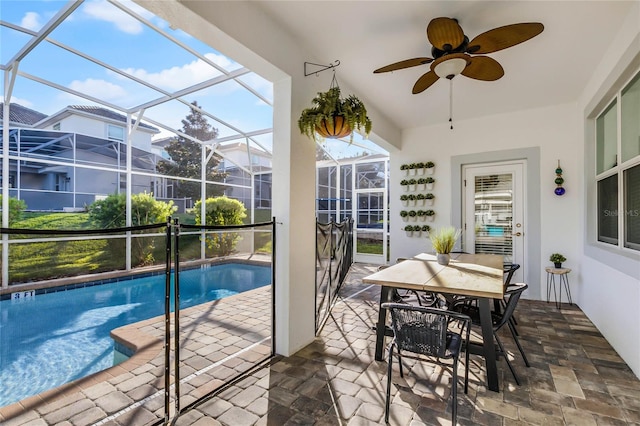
[332, 116]
[334, 129]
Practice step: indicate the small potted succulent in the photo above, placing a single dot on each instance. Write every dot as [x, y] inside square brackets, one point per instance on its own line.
[425, 228]
[405, 184]
[420, 199]
[429, 182]
[430, 215]
[405, 169]
[422, 215]
[409, 230]
[557, 260]
[404, 215]
[405, 199]
[412, 184]
[413, 214]
[430, 167]
[420, 168]
[429, 197]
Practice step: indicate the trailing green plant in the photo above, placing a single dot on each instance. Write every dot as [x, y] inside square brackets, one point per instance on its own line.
[329, 105]
[16, 207]
[444, 239]
[221, 211]
[557, 258]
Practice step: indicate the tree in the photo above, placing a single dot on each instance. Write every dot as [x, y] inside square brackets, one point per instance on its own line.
[145, 210]
[222, 211]
[186, 157]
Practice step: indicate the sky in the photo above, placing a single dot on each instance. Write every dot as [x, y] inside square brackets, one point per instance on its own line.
[101, 30]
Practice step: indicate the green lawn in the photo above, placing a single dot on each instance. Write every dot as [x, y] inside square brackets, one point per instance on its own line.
[55, 259]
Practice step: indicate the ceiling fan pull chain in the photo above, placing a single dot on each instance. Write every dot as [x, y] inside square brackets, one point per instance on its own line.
[451, 102]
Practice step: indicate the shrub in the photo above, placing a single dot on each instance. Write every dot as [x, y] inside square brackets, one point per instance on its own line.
[16, 207]
[145, 210]
[221, 211]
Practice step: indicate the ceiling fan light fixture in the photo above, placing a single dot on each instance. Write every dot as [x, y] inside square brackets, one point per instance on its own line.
[450, 68]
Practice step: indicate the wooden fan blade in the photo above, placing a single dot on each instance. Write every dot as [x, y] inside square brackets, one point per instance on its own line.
[425, 82]
[407, 63]
[503, 37]
[445, 34]
[483, 68]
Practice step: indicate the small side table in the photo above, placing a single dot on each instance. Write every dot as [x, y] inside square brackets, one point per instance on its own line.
[562, 273]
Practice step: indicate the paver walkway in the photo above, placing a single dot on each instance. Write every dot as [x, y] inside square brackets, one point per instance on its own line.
[575, 378]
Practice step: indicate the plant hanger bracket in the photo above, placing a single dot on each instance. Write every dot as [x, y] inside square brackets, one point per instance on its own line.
[320, 68]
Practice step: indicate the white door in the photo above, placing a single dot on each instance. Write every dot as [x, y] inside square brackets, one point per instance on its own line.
[494, 206]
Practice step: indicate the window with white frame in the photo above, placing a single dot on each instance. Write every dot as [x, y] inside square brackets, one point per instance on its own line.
[115, 133]
[618, 168]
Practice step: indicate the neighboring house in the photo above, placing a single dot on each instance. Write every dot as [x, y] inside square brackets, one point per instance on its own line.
[71, 158]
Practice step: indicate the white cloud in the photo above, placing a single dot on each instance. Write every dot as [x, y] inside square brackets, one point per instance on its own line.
[31, 21]
[104, 11]
[100, 89]
[178, 77]
[20, 101]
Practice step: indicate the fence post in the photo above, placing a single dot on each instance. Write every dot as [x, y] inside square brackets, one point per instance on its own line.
[167, 321]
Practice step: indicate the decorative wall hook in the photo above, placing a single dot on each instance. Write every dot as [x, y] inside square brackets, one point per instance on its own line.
[322, 67]
[559, 181]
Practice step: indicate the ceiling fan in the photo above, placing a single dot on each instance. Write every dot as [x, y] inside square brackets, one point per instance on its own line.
[452, 50]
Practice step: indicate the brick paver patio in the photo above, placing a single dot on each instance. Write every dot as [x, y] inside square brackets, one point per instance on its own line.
[575, 378]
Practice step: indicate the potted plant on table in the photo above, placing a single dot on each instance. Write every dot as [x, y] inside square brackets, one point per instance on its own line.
[557, 260]
[332, 116]
[443, 241]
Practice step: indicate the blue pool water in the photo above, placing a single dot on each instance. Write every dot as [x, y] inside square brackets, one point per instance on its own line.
[54, 338]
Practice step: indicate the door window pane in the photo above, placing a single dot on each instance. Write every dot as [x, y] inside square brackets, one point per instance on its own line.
[494, 214]
[632, 207]
[606, 138]
[608, 210]
[630, 130]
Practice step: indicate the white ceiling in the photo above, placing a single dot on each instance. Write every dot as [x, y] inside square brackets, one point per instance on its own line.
[552, 68]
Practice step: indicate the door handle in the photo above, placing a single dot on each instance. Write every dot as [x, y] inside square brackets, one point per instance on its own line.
[517, 234]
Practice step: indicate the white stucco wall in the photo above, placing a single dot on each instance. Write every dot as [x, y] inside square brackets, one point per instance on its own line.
[552, 129]
[610, 294]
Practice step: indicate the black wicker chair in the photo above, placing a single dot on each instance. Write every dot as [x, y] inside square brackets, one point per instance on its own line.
[500, 320]
[425, 332]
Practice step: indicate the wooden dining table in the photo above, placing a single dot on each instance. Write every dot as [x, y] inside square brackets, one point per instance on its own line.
[474, 275]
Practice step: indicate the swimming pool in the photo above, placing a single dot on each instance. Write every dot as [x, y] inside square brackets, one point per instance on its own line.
[55, 338]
